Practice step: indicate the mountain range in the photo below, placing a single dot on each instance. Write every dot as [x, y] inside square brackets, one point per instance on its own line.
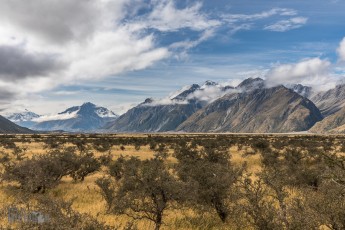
[85, 118]
[249, 107]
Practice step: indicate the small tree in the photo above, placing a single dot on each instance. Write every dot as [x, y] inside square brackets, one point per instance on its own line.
[256, 208]
[210, 175]
[45, 171]
[145, 188]
[34, 175]
[86, 164]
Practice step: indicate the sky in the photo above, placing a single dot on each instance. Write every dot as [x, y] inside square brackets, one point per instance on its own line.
[55, 54]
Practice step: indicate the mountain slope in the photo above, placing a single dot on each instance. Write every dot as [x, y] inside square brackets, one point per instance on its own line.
[8, 127]
[167, 115]
[331, 101]
[153, 118]
[334, 123]
[84, 118]
[262, 110]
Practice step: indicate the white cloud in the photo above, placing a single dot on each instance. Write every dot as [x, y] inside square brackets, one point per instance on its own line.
[102, 39]
[166, 17]
[206, 93]
[209, 94]
[311, 72]
[181, 48]
[233, 18]
[54, 117]
[289, 24]
[239, 22]
[65, 93]
[341, 50]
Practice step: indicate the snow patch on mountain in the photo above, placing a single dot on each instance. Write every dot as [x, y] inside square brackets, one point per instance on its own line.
[104, 113]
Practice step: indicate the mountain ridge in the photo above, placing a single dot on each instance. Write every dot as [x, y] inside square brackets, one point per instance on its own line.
[260, 110]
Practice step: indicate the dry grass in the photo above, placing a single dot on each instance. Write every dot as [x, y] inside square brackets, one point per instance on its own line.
[87, 198]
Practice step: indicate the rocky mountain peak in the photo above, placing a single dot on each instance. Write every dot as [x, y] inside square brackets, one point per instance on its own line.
[251, 84]
[147, 101]
[185, 92]
[209, 83]
[88, 104]
[23, 116]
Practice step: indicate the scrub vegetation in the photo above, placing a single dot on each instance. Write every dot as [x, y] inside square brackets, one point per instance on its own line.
[172, 181]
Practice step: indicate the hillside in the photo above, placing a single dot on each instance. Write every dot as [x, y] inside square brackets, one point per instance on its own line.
[8, 127]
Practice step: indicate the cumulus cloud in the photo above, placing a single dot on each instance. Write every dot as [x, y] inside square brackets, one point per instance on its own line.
[48, 43]
[289, 24]
[312, 72]
[16, 63]
[58, 21]
[45, 44]
[341, 50]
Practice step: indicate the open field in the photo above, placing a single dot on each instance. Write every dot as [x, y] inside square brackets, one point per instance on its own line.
[287, 171]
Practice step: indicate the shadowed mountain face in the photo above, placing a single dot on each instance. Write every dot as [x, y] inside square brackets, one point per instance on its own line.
[331, 101]
[84, 118]
[7, 127]
[153, 118]
[262, 110]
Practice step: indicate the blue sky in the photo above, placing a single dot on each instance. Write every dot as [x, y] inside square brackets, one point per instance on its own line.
[116, 53]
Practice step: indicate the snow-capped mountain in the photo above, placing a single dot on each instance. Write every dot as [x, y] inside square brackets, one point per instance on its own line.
[24, 116]
[25, 119]
[209, 83]
[104, 112]
[205, 93]
[85, 118]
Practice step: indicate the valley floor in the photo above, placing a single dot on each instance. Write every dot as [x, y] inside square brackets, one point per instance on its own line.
[256, 154]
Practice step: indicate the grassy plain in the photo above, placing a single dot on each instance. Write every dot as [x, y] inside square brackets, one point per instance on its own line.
[86, 194]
